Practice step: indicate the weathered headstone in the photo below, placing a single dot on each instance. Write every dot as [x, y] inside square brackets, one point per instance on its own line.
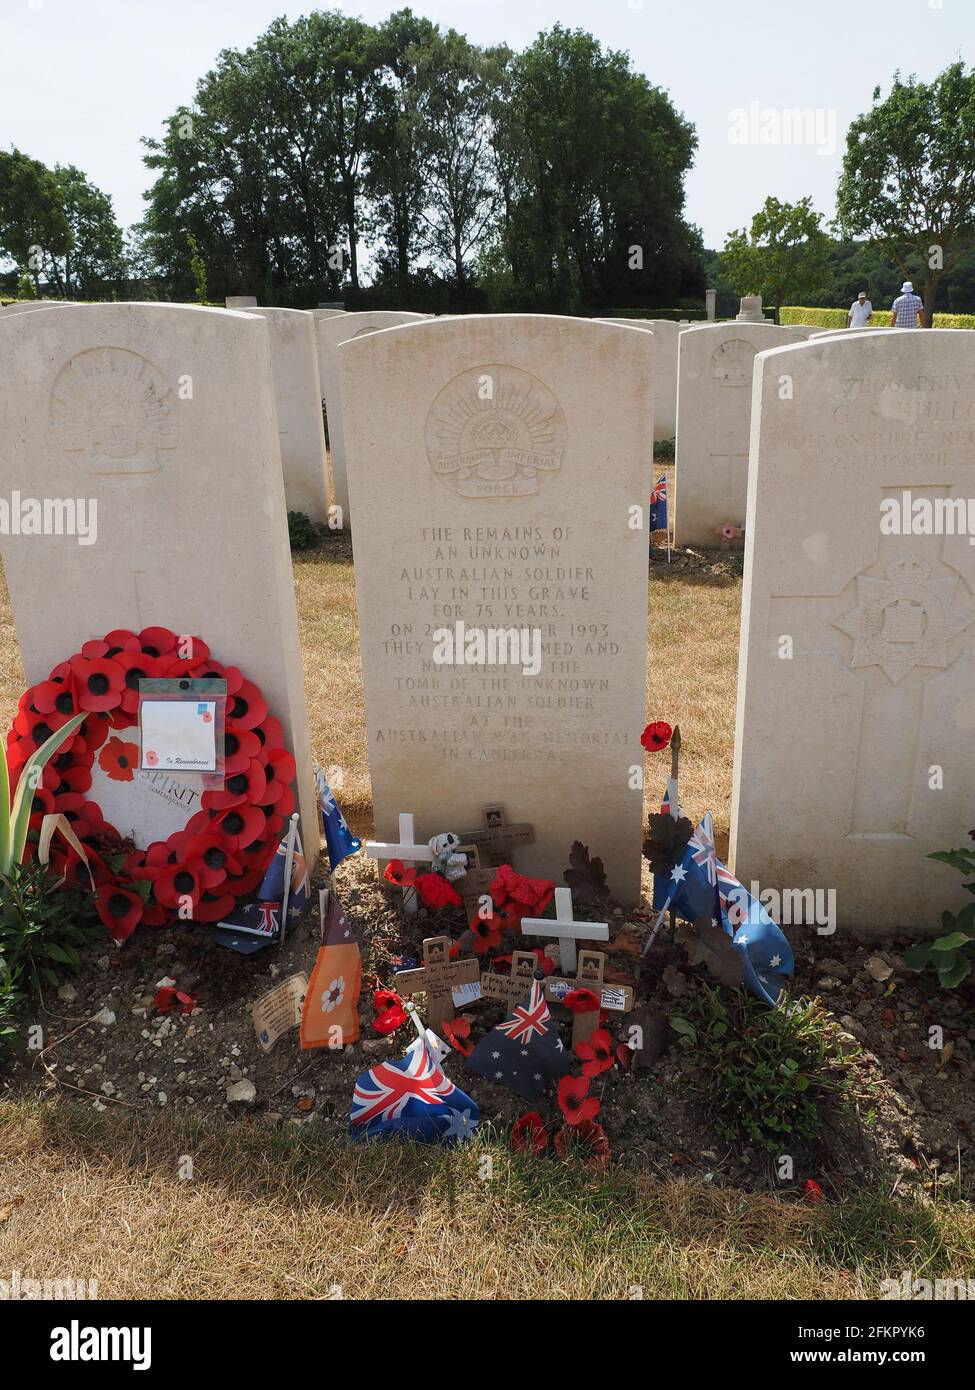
[298, 397]
[750, 309]
[856, 708]
[28, 305]
[714, 397]
[241, 301]
[332, 331]
[164, 415]
[665, 333]
[496, 467]
[710, 304]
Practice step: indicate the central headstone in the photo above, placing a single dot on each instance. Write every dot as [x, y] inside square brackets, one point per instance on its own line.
[856, 709]
[164, 416]
[665, 333]
[714, 400]
[498, 470]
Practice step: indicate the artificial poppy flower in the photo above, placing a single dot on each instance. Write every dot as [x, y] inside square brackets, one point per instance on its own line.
[457, 1034]
[119, 909]
[280, 771]
[624, 1056]
[486, 932]
[580, 1001]
[72, 779]
[247, 787]
[532, 895]
[656, 736]
[812, 1192]
[270, 734]
[157, 641]
[154, 915]
[213, 858]
[94, 731]
[390, 1013]
[135, 666]
[214, 906]
[383, 999]
[169, 998]
[597, 1054]
[728, 531]
[98, 683]
[436, 892]
[240, 747]
[575, 1101]
[119, 760]
[176, 884]
[71, 867]
[399, 874]
[120, 639]
[55, 697]
[247, 706]
[242, 825]
[528, 1134]
[587, 1140]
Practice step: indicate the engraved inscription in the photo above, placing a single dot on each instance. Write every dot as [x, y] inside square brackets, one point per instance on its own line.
[112, 412]
[494, 431]
[732, 363]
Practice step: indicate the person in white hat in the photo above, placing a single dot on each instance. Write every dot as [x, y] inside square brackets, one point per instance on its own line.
[861, 311]
[907, 310]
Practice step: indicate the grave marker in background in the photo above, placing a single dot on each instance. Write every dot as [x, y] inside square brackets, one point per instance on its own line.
[665, 333]
[493, 464]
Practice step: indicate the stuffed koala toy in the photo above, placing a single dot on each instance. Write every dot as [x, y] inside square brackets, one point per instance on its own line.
[445, 860]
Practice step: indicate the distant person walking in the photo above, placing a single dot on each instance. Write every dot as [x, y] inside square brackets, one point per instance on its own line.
[907, 310]
[861, 311]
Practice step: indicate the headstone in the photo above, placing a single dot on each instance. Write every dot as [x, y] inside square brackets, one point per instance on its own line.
[298, 397]
[164, 415]
[750, 310]
[853, 757]
[495, 465]
[27, 305]
[711, 303]
[241, 301]
[331, 332]
[714, 398]
[665, 333]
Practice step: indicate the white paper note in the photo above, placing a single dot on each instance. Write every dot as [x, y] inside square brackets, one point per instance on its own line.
[179, 735]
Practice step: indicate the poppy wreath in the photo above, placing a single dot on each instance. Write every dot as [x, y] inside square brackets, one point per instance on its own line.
[223, 851]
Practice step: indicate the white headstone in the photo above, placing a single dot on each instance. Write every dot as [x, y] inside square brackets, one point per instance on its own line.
[856, 706]
[714, 397]
[27, 305]
[164, 415]
[710, 303]
[331, 331]
[241, 301]
[298, 397]
[665, 333]
[750, 309]
[496, 464]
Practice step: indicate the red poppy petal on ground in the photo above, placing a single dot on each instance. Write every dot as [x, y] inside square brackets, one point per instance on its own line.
[574, 1100]
[390, 1019]
[399, 874]
[656, 736]
[169, 998]
[456, 1036]
[119, 909]
[812, 1192]
[528, 1134]
[587, 1140]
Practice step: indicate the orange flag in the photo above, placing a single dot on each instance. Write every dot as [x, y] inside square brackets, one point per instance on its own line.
[330, 1017]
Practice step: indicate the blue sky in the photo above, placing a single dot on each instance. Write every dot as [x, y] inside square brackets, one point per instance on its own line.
[82, 80]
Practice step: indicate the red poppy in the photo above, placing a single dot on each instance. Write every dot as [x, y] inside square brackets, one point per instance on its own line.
[436, 892]
[120, 639]
[135, 666]
[247, 707]
[247, 787]
[580, 1001]
[597, 1054]
[390, 1013]
[384, 999]
[212, 858]
[240, 746]
[624, 1056]
[588, 1140]
[399, 874]
[528, 1134]
[69, 779]
[242, 825]
[656, 736]
[457, 1034]
[120, 760]
[214, 906]
[532, 895]
[502, 964]
[176, 883]
[812, 1192]
[98, 683]
[575, 1101]
[120, 910]
[280, 772]
[170, 998]
[157, 641]
[487, 933]
[54, 697]
[270, 733]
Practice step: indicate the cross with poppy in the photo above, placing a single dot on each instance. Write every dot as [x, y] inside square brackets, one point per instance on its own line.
[589, 976]
[437, 978]
[565, 930]
[514, 988]
[407, 850]
[497, 837]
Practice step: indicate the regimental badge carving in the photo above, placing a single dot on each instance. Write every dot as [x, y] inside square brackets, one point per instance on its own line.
[495, 431]
[731, 363]
[112, 411]
[904, 620]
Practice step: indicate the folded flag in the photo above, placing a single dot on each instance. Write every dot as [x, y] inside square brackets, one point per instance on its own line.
[261, 920]
[330, 1016]
[272, 889]
[524, 1052]
[658, 505]
[412, 1098]
[339, 840]
[690, 888]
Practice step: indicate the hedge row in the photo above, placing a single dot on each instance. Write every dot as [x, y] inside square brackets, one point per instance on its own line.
[836, 318]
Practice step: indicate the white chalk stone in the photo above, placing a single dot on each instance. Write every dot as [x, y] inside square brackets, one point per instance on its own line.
[665, 333]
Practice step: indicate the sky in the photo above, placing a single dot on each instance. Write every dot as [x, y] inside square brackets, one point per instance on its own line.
[81, 81]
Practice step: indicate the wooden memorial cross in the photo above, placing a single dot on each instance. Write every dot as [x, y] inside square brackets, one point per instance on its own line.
[514, 988]
[589, 975]
[564, 929]
[407, 850]
[437, 978]
[497, 837]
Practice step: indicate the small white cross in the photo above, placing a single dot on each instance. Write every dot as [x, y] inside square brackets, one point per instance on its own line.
[407, 849]
[565, 930]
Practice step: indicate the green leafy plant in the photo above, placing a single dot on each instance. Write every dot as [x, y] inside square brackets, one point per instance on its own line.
[763, 1074]
[10, 997]
[15, 817]
[302, 531]
[42, 924]
[950, 954]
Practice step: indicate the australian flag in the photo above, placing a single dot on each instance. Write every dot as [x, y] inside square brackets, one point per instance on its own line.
[339, 840]
[272, 889]
[524, 1052]
[658, 505]
[412, 1098]
[254, 925]
[700, 886]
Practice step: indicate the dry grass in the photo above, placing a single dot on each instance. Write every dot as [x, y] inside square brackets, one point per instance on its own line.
[291, 1214]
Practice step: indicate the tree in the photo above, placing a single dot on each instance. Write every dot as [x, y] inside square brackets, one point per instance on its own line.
[908, 178]
[95, 253]
[785, 256]
[33, 224]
